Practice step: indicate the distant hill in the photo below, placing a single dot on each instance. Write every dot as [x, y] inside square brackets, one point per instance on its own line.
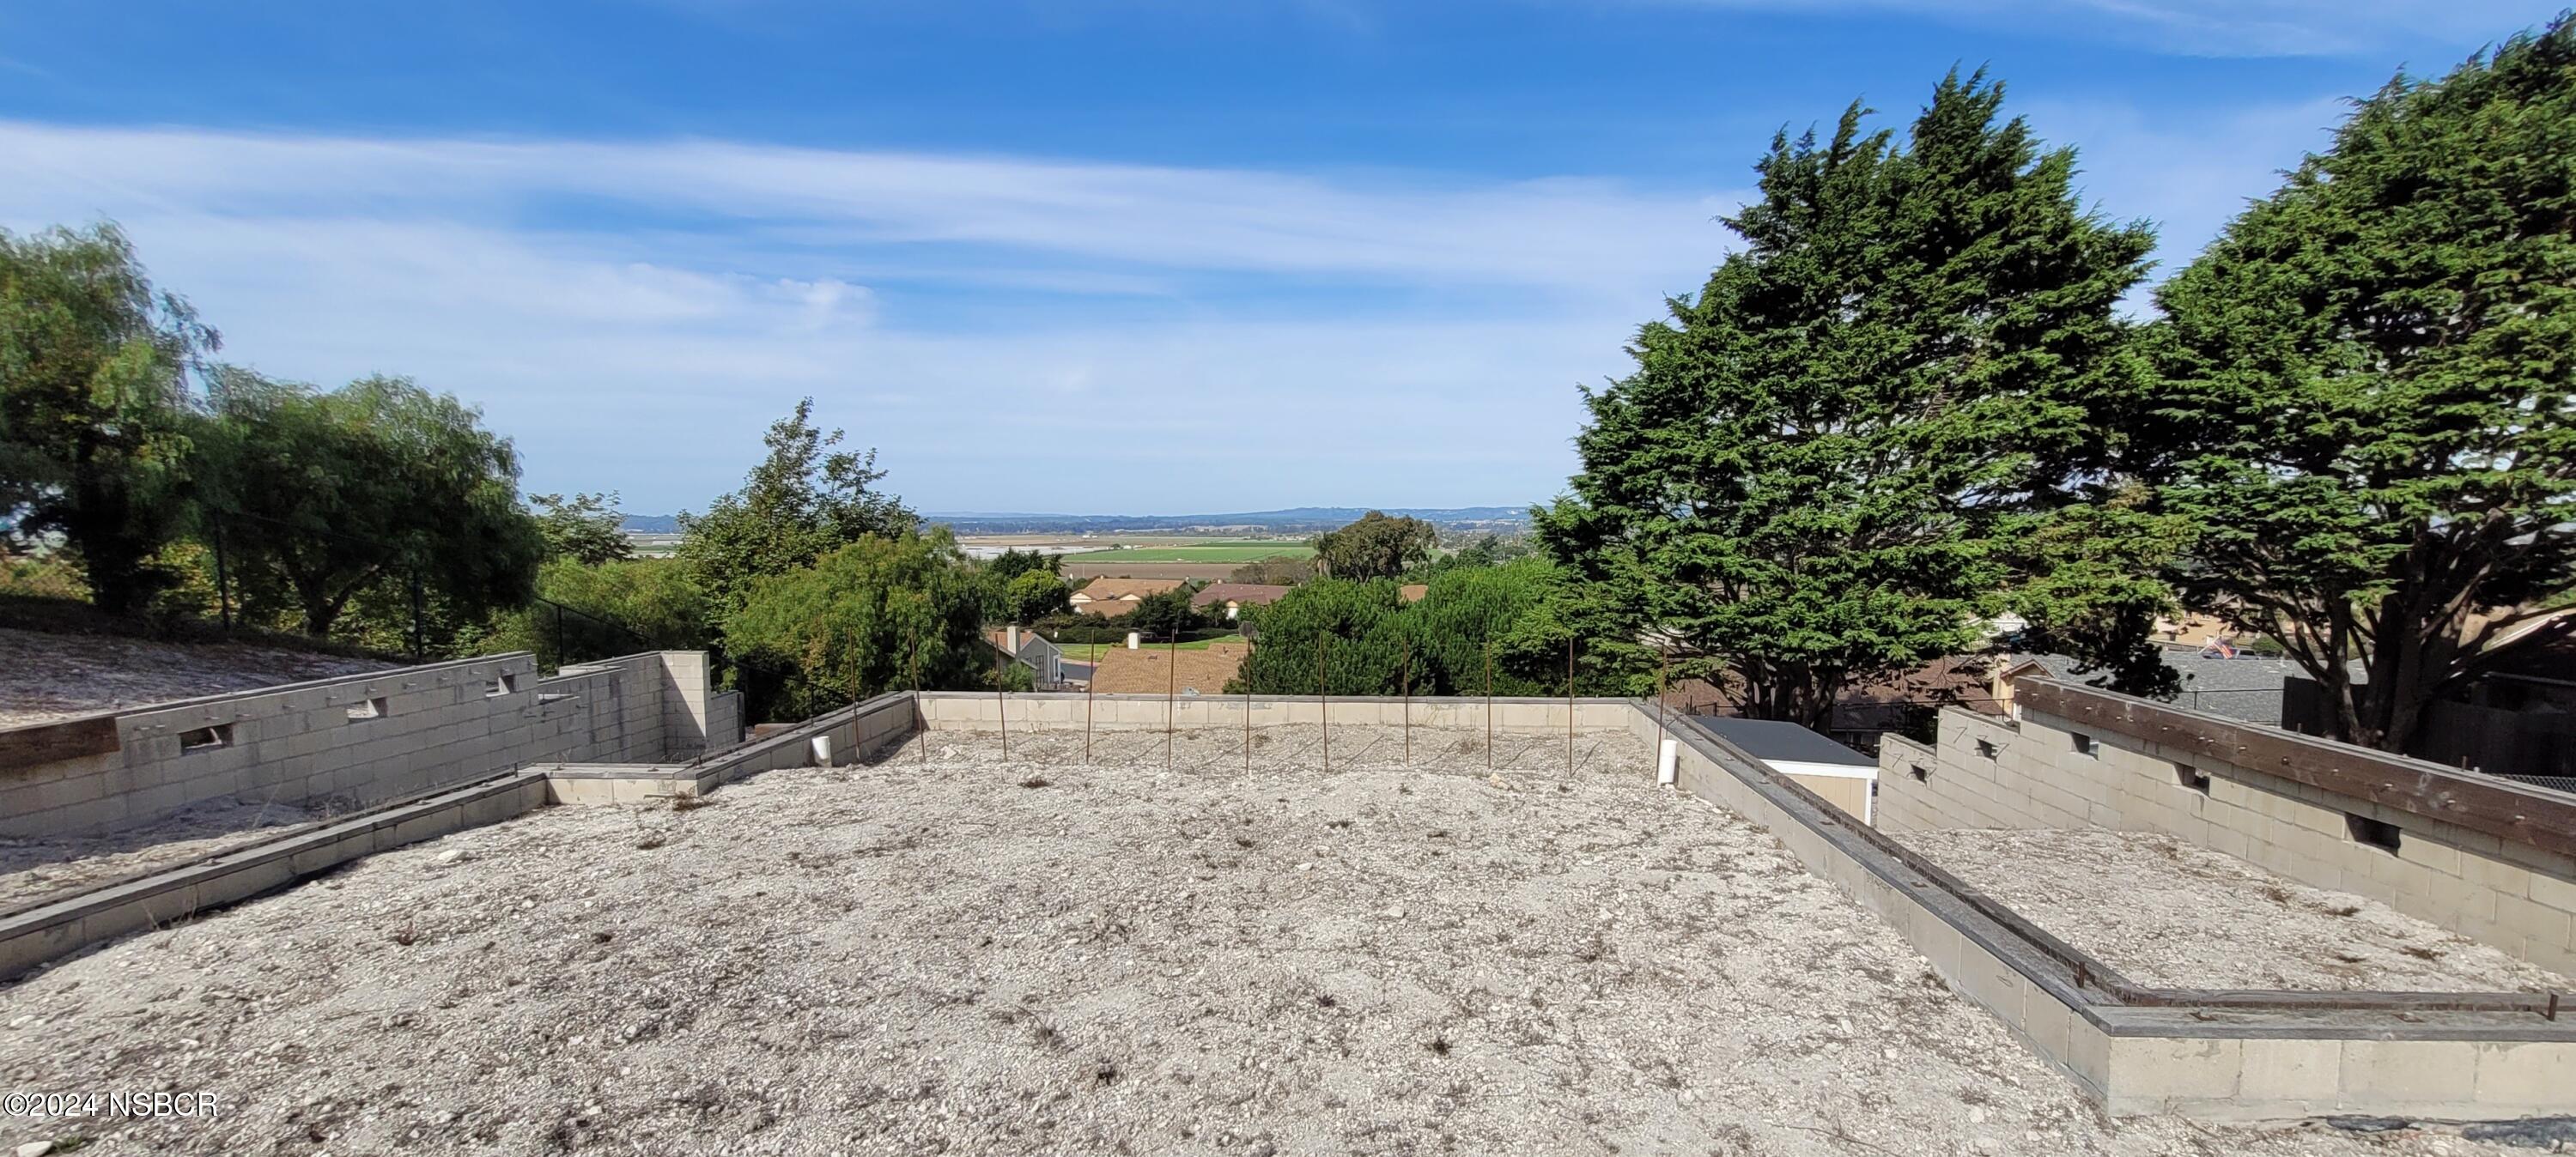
[1298, 520]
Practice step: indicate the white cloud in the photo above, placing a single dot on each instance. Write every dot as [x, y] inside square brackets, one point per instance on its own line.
[2230, 27]
[1014, 333]
[634, 313]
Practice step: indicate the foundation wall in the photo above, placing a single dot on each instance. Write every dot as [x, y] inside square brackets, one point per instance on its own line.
[2220, 1065]
[32, 937]
[357, 740]
[2514, 896]
[966, 710]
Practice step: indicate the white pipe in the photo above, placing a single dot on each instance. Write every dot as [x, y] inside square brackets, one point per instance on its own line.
[822, 751]
[1668, 762]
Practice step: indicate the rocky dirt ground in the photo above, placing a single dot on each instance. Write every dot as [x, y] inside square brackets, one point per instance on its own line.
[976, 955]
[35, 871]
[46, 676]
[2177, 915]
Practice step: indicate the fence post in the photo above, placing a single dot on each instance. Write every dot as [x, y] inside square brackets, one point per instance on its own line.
[419, 640]
[223, 574]
[1171, 693]
[920, 712]
[1489, 705]
[560, 653]
[1406, 685]
[1569, 705]
[1323, 699]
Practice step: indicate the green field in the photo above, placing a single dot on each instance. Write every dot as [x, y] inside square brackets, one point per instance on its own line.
[1218, 551]
[1086, 652]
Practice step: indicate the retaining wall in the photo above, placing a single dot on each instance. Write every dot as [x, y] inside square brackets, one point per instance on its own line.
[2515, 894]
[351, 741]
[1522, 716]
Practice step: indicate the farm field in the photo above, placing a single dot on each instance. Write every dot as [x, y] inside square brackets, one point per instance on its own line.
[1215, 551]
[1089, 652]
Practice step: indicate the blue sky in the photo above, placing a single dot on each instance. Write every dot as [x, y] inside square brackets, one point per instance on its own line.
[1104, 256]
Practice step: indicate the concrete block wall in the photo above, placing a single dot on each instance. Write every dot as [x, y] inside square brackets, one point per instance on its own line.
[2513, 896]
[352, 741]
[2236, 1065]
[970, 710]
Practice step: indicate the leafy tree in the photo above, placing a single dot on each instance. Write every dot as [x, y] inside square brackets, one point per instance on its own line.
[1014, 562]
[93, 405]
[1502, 613]
[1164, 614]
[1285, 570]
[2372, 426]
[378, 482]
[584, 527]
[1824, 465]
[856, 622]
[620, 607]
[802, 501]
[1375, 546]
[1034, 595]
[1350, 627]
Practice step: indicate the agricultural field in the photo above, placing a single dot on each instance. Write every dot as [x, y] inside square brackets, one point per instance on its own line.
[1090, 652]
[1213, 550]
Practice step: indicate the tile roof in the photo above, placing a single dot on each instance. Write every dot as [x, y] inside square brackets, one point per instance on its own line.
[1414, 592]
[1150, 671]
[1251, 593]
[1101, 589]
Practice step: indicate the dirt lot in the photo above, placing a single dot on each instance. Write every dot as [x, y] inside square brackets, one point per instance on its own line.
[2177, 915]
[46, 676]
[1209, 571]
[975, 955]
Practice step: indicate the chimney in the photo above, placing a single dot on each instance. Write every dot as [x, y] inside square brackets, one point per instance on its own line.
[1014, 637]
[1131, 640]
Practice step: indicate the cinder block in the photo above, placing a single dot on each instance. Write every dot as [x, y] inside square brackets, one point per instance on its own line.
[2302, 1073]
[2172, 1068]
[2403, 1072]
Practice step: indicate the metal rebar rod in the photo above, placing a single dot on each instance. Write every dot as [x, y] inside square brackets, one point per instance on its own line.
[920, 712]
[1489, 705]
[1407, 683]
[1002, 715]
[1087, 685]
[1569, 706]
[1323, 700]
[1171, 691]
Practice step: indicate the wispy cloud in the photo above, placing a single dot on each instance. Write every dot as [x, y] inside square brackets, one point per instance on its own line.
[634, 312]
[1014, 332]
[2227, 27]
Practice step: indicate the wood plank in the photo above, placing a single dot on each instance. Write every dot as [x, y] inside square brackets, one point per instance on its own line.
[25, 748]
[2498, 807]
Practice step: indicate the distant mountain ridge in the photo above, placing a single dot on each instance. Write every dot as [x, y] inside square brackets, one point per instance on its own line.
[1299, 519]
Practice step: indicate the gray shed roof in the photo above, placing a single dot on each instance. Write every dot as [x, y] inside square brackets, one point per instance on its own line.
[1770, 739]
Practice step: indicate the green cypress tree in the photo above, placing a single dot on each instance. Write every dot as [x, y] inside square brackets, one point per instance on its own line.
[1833, 462]
[2371, 390]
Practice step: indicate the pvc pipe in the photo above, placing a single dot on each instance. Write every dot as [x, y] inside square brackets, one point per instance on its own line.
[1668, 762]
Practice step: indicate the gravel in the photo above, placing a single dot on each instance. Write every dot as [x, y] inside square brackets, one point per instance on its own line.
[1031, 955]
[45, 676]
[34, 871]
[2177, 915]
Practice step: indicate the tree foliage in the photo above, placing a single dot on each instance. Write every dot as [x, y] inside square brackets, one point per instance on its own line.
[1374, 547]
[803, 500]
[380, 481]
[1034, 595]
[2372, 428]
[1827, 465]
[619, 607]
[856, 622]
[582, 527]
[1283, 570]
[1372, 641]
[93, 405]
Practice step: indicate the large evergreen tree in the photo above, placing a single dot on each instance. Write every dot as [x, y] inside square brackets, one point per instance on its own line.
[1836, 459]
[2372, 390]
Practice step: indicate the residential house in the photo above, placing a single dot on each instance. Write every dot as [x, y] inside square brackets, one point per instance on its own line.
[1189, 671]
[1236, 596]
[1112, 597]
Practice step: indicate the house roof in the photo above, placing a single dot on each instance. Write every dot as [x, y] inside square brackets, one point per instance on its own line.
[1253, 593]
[1772, 741]
[1150, 670]
[1124, 588]
[1414, 592]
